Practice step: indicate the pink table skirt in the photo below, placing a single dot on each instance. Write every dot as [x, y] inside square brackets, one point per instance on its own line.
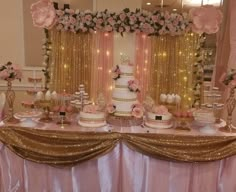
[122, 170]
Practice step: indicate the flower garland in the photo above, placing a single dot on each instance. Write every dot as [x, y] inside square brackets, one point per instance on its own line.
[198, 71]
[46, 53]
[157, 23]
[229, 78]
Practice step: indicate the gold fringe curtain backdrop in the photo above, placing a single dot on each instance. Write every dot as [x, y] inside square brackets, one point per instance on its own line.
[71, 61]
[171, 69]
[64, 148]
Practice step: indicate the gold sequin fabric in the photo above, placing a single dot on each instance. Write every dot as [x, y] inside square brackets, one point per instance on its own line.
[66, 148]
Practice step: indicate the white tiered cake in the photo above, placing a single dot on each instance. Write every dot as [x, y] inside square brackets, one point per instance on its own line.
[124, 95]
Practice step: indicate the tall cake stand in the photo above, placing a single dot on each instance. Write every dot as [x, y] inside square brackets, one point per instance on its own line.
[27, 117]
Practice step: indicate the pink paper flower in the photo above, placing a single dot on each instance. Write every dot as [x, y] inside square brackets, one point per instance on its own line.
[161, 110]
[206, 19]
[137, 112]
[90, 109]
[111, 108]
[43, 14]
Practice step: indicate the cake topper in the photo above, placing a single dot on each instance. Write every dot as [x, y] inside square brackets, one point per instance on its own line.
[124, 59]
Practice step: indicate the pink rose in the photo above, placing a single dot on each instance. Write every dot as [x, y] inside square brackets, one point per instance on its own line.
[206, 19]
[154, 18]
[232, 84]
[111, 20]
[121, 29]
[132, 18]
[72, 20]
[115, 76]
[141, 18]
[161, 109]
[60, 12]
[59, 27]
[146, 25]
[137, 112]
[161, 22]
[43, 14]
[127, 28]
[234, 76]
[122, 16]
[151, 30]
[99, 21]
[111, 108]
[167, 15]
[88, 17]
[4, 75]
[137, 31]
[90, 109]
[108, 28]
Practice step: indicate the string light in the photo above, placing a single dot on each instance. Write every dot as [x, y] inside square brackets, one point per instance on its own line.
[108, 53]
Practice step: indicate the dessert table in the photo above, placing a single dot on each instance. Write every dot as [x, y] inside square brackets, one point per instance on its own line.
[115, 158]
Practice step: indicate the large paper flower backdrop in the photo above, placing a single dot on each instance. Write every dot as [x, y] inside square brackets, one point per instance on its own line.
[206, 19]
[43, 14]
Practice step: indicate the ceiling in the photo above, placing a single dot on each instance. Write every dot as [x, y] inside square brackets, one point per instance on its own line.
[177, 5]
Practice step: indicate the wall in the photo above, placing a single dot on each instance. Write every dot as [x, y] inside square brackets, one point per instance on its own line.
[20, 42]
[126, 44]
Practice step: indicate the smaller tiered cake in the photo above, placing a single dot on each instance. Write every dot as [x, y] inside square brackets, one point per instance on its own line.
[81, 96]
[159, 117]
[92, 117]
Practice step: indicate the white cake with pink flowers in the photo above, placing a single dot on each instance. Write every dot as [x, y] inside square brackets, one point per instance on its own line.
[124, 95]
[92, 117]
[159, 117]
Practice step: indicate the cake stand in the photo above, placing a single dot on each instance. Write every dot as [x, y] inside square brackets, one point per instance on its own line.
[27, 118]
[46, 106]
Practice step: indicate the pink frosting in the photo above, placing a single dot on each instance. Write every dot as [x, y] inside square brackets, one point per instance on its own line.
[161, 110]
[43, 14]
[90, 109]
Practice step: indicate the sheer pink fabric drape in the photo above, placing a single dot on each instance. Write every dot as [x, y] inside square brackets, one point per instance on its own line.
[102, 65]
[226, 47]
[142, 61]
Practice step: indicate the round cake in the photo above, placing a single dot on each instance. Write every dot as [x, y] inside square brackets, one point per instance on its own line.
[204, 116]
[91, 117]
[159, 118]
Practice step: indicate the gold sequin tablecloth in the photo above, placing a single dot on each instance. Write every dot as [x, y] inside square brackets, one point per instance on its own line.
[67, 147]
